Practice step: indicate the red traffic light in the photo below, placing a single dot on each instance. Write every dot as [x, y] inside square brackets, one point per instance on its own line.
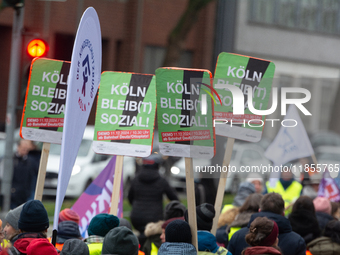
[37, 48]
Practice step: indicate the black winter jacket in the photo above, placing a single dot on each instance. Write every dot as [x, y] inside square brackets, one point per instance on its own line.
[146, 198]
[323, 219]
[290, 242]
[304, 223]
[25, 170]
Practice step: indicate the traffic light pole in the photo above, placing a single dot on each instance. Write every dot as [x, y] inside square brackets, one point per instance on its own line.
[13, 85]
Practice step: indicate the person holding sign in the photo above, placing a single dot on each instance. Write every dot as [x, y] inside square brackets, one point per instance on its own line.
[146, 195]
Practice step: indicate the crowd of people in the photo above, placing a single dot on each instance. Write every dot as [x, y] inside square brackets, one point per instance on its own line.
[276, 217]
[253, 224]
[258, 226]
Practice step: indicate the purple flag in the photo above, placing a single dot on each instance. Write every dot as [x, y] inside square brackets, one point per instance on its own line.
[328, 188]
[97, 197]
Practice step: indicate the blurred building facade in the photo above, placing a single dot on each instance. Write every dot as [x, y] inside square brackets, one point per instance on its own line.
[301, 37]
[134, 36]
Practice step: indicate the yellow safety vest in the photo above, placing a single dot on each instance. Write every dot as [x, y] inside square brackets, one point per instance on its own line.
[226, 208]
[232, 231]
[154, 249]
[95, 248]
[220, 251]
[290, 194]
[5, 244]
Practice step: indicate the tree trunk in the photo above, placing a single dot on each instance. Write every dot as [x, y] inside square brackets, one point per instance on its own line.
[177, 37]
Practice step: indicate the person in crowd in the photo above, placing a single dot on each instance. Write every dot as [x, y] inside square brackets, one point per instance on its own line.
[205, 214]
[178, 231]
[245, 189]
[207, 244]
[329, 243]
[311, 187]
[120, 241]
[146, 195]
[323, 210]
[125, 223]
[75, 247]
[335, 210]
[3, 242]
[257, 181]
[25, 170]
[272, 207]
[240, 218]
[227, 217]
[34, 154]
[11, 230]
[253, 184]
[99, 226]
[41, 246]
[165, 224]
[153, 231]
[224, 221]
[67, 230]
[250, 206]
[68, 215]
[303, 219]
[287, 187]
[33, 224]
[262, 237]
[178, 239]
[174, 209]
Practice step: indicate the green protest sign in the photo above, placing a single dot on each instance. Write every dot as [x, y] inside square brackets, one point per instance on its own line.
[242, 73]
[125, 115]
[43, 114]
[185, 113]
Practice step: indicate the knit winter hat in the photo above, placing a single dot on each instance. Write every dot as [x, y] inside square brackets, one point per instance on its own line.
[178, 231]
[205, 214]
[174, 209]
[33, 217]
[75, 247]
[322, 204]
[254, 177]
[102, 223]
[271, 238]
[244, 190]
[13, 216]
[206, 241]
[67, 230]
[41, 246]
[120, 241]
[68, 214]
[177, 249]
[125, 223]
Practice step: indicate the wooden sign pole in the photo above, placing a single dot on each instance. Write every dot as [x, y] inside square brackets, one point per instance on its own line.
[116, 184]
[39, 187]
[190, 186]
[222, 183]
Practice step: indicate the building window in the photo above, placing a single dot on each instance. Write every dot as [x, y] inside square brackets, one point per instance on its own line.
[329, 90]
[310, 15]
[154, 58]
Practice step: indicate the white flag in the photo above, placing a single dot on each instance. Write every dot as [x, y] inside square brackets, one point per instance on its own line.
[291, 142]
[83, 82]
